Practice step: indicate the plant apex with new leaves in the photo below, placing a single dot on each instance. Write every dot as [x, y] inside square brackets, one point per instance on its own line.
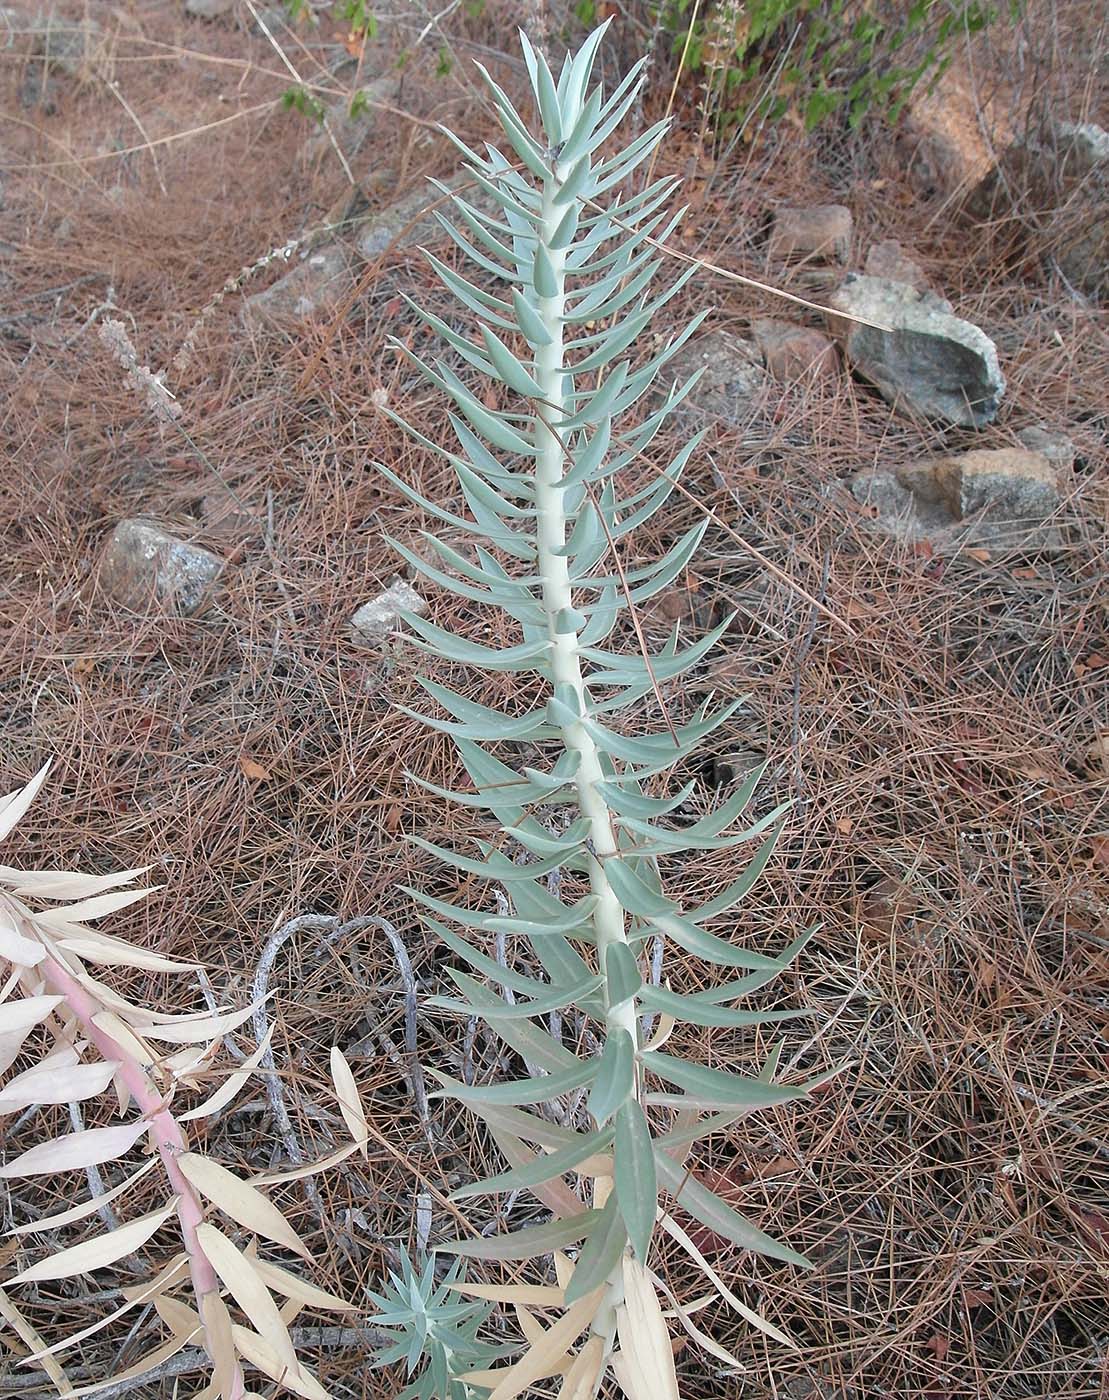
[82, 1039]
[563, 254]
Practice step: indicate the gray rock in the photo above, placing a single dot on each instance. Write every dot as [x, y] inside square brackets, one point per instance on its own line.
[999, 499]
[1049, 443]
[390, 227]
[376, 620]
[820, 232]
[314, 289]
[209, 9]
[929, 361]
[142, 562]
[734, 383]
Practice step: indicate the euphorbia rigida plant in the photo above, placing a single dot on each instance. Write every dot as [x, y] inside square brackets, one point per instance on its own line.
[565, 250]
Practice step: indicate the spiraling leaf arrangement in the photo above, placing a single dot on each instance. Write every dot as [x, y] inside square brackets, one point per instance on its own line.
[438, 1331]
[95, 1042]
[564, 254]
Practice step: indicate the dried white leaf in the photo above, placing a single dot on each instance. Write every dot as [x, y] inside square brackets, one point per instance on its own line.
[85, 1149]
[260, 1354]
[178, 1316]
[94, 908]
[246, 1286]
[22, 1328]
[22, 1014]
[675, 1231]
[65, 884]
[14, 945]
[165, 1278]
[56, 1084]
[241, 1201]
[150, 1362]
[199, 1028]
[299, 1173]
[290, 1286]
[549, 1348]
[129, 1044]
[350, 1101]
[580, 1380]
[98, 1253]
[230, 1086]
[220, 1345]
[113, 952]
[13, 807]
[10, 1048]
[646, 1369]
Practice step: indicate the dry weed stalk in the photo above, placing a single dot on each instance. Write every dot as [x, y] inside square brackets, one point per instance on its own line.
[97, 1040]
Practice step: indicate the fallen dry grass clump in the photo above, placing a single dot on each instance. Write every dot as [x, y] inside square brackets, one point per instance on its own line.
[939, 718]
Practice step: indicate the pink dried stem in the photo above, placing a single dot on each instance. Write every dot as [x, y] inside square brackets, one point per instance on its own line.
[165, 1130]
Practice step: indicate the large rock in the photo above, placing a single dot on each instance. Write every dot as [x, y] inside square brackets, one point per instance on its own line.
[928, 361]
[956, 127]
[142, 562]
[1053, 185]
[734, 383]
[1002, 499]
[62, 44]
[313, 290]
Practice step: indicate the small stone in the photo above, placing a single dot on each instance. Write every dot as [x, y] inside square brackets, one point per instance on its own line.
[314, 289]
[143, 562]
[376, 620]
[209, 9]
[887, 259]
[734, 382]
[820, 232]
[1049, 443]
[794, 352]
[1000, 499]
[929, 362]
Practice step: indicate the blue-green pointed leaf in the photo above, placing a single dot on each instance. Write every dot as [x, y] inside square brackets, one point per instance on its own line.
[546, 280]
[544, 1168]
[556, 1000]
[517, 1092]
[615, 1080]
[530, 1041]
[635, 1179]
[622, 972]
[529, 321]
[531, 1243]
[726, 1090]
[601, 1253]
[711, 1211]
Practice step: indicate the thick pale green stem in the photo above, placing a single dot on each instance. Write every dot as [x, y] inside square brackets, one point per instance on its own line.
[552, 524]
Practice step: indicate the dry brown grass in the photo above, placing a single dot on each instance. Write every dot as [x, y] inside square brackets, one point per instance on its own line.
[950, 831]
